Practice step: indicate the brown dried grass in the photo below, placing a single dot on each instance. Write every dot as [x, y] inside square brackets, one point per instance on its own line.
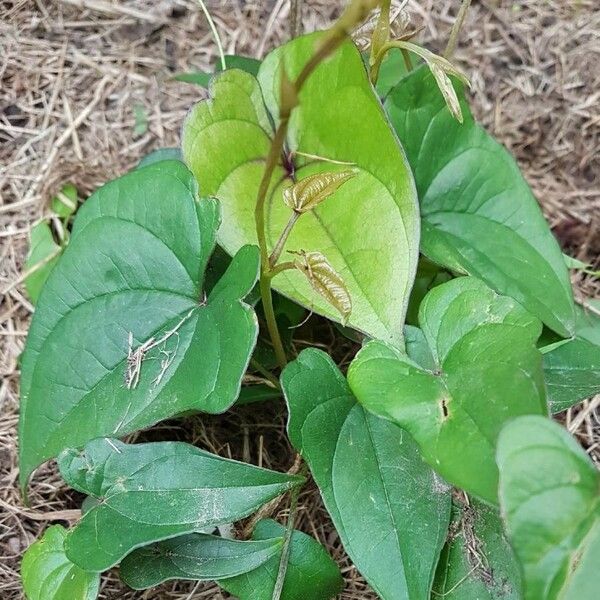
[71, 72]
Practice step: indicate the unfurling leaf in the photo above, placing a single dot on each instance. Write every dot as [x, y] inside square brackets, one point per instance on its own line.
[325, 280]
[307, 193]
[440, 68]
[48, 574]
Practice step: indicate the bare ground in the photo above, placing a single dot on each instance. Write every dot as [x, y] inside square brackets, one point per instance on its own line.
[73, 74]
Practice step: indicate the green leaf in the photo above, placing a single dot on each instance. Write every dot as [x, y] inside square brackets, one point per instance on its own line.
[389, 508]
[572, 368]
[233, 61]
[487, 370]
[257, 393]
[196, 77]
[152, 492]
[42, 258]
[64, 204]
[48, 574]
[550, 502]
[311, 573]
[195, 556]
[478, 213]
[159, 155]
[132, 279]
[368, 230]
[477, 562]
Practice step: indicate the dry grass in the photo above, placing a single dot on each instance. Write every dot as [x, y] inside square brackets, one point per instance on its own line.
[72, 73]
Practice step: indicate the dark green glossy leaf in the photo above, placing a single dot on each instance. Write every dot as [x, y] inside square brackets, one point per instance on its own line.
[152, 492]
[572, 368]
[311, 573]
[478, 213]
[47, 574]
[132, 279]
[158, 155]
[367, 230]
[550, 502]
[389, 508]
[195, 556]
[477, 562]
[487, 370]
[42, 258]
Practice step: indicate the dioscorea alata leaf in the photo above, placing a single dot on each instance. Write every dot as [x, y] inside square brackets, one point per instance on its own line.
[47, 574]
[572, 368]
[549, 495]
[151, 492]
[311, 572]
[123, 335]
[487, 370]
[368, 229]
[195, 556]
[389, 508]
[478, 213]
[477, 562]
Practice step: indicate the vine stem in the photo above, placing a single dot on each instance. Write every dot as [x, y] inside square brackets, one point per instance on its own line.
[215, 33]
[295, 18]
[283, 239]
[458, 23]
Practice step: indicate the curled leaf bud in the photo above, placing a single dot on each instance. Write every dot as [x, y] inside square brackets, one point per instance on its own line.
[325, 280]
[307, 193]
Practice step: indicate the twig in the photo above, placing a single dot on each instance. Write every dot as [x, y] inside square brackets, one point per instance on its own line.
[453, 39]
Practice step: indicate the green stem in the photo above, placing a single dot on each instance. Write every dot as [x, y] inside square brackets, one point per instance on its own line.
[267, 302]
[283, 239]
[295, 18]
[215, 33]
[265, 373]
[453, 39]
[284, 266]
[407, 61]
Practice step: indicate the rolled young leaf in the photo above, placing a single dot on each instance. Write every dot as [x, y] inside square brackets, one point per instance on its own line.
[478, 214]
[47, 574]
[151, 492]
[196, 556]
[550, 502]
[123, 335]
[311, 572]
[389, 508]
[487, 370]
[572, 368]
[368, 229]
[477, 562]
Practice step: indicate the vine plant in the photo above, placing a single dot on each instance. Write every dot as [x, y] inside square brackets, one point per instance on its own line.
[341, 181]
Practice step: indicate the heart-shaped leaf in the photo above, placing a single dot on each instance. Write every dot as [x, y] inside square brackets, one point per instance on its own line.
[196, 556]
[367, 230]
[48, 574]
[549, 495]
[151, 492]
[487, 370]
[478, 213]
[389, 508]
[311, 572]
[123, 336]
[477, 562]
[572, 368]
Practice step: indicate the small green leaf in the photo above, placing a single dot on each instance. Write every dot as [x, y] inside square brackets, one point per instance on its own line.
[152, 492]
[478, 213]
[477, 562]
[48, 574]
[389, 508]
[549, 495]
[64, 204]
[311, 573]
[233, 61]
[487, 370]
[196, 556]
[572, 368]
[123, 335]
[42, 258]
[159, 155]
[196, 77]
[141, 119]
[257, 393]
[368, 230]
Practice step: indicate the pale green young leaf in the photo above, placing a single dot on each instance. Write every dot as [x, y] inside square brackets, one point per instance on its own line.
[487, 371]
[123, 335]
[389, 508]
[195, 556]
[478, 214]
[311, 572]
[549, 495]
[47, 574]
[368, 229]
[41, 259]
[151, 492]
